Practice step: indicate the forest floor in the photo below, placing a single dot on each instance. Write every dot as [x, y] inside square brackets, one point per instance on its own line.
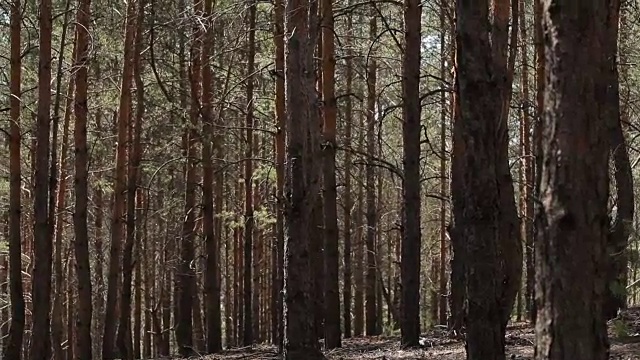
[624, 337]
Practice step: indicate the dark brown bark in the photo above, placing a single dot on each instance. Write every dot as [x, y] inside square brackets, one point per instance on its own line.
[80, 219]
[483, 203]
[348, 201]
[185, 276]
[410, 265]
[371, 318]
[41, 284]
[124, 339]
[98, 246]
[247, 336]
[616, 280]
[277, 319]
[212, 285]
[301, 186]
[358, 266]
[57, 184]
[573, 221]
[332, 334]
[120, 187]
[13, 345]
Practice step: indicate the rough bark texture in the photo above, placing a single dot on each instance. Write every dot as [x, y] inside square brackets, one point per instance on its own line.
[301, 187]
[80, 219]
[124, 340]
[410, 266]
[616, 281]
[573, 221]
[211, 238]
[348, 201]
[278, 284]
[371, 316]
[117, 219]
[41, 284]
[483, 202]
[247, 336]
[332, 334]
[13, 345]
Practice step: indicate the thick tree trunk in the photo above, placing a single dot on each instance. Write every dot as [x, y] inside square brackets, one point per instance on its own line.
[80, 220]
[573, 223]
[484, 206]
[13, 345]
[41, 284]
[332, 335]
[124, 338]
[212, 286]
[124, 109]
[301, 184]
[410, 265]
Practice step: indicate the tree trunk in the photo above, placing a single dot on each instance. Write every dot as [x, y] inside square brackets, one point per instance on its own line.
[483, 202]
[247, 337]
[277, 319]
[185, 278]
[442, 288]
[57, 184]
[348, 164]
[120, 187]
[124, 336]
[212, 287]
[573, 221]
[41, 285]
[410, 266]
[332, 334]
[371, 318]
[301, 184]
[13, 345]
[527, 159]
[616, 280]
[81, 243]
[537, 144]
[358, 268]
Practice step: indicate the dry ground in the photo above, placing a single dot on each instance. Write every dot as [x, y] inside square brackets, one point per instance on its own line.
[625, 345]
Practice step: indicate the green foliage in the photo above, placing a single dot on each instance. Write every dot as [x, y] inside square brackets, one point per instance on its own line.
[620, 328]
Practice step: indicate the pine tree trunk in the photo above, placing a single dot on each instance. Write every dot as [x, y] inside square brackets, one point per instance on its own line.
[331, 276]
[573, 221]
[41, 284]
[371, 318]
[301, 184]
[13, 345]
[124, 336]
[247, 336]
[212, 288]
[616, 280]
[80, 218]
[410, 266]
[120, 187]
[278, 284]
[483, 202]
[348, 202]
